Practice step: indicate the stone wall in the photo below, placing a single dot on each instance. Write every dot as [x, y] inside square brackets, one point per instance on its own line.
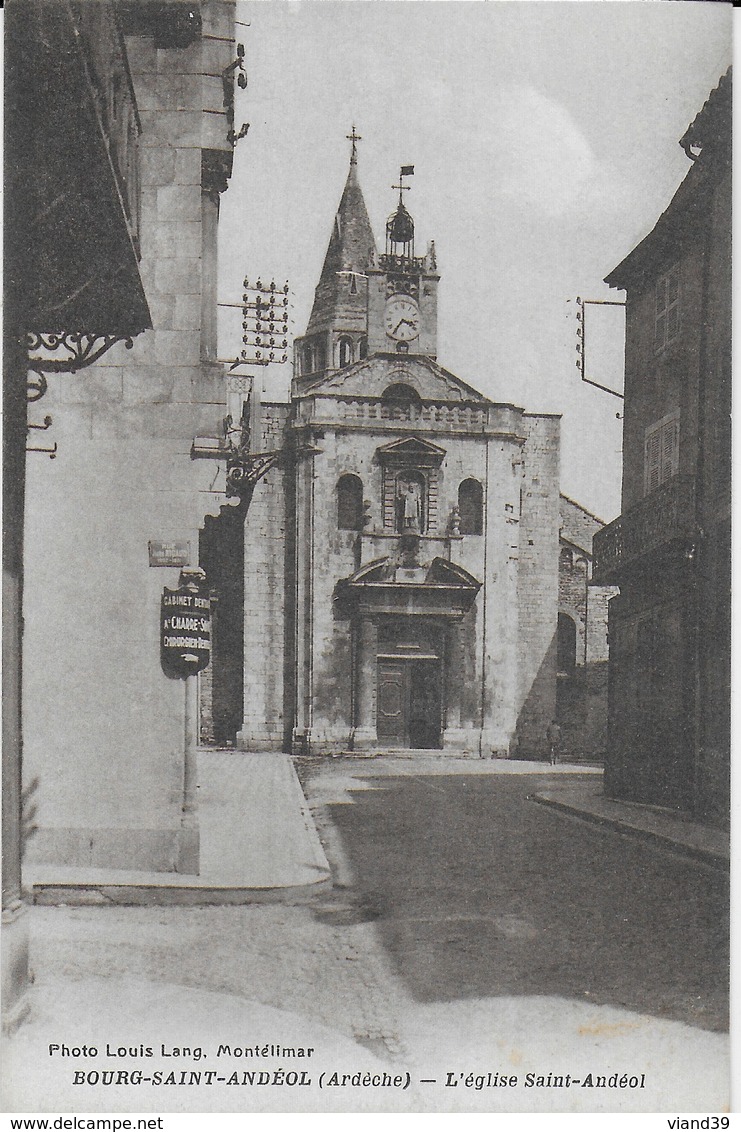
[266, 586]
[538, 582]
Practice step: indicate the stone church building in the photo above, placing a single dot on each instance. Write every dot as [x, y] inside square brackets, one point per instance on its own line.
[401, 557]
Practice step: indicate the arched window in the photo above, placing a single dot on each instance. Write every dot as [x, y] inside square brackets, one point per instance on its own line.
[471, 507]
[400, 394]
[307, 359]
[350, 503]
[345, 351]
[566, 645]
[363, 348]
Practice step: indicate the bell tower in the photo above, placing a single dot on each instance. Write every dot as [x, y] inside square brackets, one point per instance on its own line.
[402, 288]
[366, 303]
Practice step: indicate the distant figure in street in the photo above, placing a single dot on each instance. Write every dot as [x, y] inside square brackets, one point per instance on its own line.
[553, 735]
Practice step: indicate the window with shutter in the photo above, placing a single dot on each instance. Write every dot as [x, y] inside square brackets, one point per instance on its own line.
[661, 452]
[667, 308]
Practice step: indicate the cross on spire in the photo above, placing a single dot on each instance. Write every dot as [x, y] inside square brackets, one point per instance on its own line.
[354, 138]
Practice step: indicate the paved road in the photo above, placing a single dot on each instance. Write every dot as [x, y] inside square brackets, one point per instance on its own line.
[477, 891]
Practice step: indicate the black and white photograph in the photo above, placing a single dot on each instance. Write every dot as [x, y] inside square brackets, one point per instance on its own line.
[366, 559]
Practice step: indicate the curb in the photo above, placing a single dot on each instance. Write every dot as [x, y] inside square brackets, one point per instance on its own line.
[101, 893]
[661, 840]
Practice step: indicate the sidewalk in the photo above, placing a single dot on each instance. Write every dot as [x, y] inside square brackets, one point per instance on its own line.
[586, 800]
[258, 841]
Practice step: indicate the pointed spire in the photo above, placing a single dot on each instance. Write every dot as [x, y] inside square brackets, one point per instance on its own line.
[351, 245]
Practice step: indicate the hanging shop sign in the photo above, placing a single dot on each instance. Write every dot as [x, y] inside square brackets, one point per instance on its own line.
[185, 630]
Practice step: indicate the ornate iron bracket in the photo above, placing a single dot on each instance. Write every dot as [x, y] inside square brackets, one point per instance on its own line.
[66, 352]
[243, 471]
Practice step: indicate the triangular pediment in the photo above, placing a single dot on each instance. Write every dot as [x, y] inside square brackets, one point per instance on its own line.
[373, 376]
[411, 449]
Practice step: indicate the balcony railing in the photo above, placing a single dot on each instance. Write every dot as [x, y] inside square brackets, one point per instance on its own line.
[666, 515]
[403, 263]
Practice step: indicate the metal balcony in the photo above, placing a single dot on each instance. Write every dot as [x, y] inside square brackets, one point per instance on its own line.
[664, 517]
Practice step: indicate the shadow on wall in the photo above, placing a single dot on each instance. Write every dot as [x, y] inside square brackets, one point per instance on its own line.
[581, 710]
[538, 709]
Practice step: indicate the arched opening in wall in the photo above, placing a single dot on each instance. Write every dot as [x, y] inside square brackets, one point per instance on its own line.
[320, 356]
[363, 348]
[400, 402]
[345, 351]
[471, 507]
[400, 394]
[307, 359]
[350, 503]
[411, 503]
[221, 555]
[566, 645]
[566, 559]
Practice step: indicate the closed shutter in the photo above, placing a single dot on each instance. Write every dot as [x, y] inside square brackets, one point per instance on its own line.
[661, 453]
[652, 474]
[669, 450]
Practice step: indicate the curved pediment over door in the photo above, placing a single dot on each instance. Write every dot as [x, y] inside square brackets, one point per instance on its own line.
[393, 585]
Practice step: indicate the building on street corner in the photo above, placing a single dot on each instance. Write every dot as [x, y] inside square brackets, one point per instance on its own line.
[114, 516]
[669, 551]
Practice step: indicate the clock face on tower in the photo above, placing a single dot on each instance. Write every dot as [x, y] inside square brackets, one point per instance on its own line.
[401, 318]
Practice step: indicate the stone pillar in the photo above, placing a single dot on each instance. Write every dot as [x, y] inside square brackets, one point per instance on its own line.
[454, 736]
[364, 733]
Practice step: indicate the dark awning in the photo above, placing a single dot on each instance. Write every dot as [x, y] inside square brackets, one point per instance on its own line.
[71, 200]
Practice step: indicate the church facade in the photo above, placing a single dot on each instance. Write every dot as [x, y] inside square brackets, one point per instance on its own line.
[401, 556]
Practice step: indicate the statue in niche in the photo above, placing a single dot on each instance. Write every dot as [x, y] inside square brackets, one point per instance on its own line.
[410, 506]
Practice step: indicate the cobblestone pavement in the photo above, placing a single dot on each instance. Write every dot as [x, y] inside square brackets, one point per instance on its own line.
[302, 959]
[379, 961]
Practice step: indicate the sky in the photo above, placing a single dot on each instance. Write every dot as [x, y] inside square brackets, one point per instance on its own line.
[544, 136]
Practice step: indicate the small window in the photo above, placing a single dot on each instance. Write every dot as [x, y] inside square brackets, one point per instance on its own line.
[350, 503]
[566, 645]
[661, 452]
[307, 359]
[667, 308]
[471, 507]
[345, 352]
[363, 348]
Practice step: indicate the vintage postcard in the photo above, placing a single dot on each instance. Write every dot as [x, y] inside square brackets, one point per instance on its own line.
[367, 375]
